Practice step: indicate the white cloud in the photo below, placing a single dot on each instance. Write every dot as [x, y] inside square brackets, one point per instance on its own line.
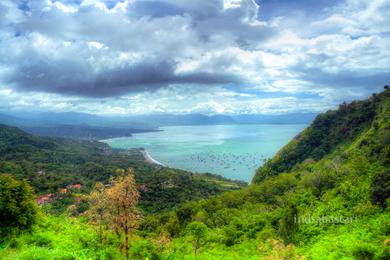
[187, 56]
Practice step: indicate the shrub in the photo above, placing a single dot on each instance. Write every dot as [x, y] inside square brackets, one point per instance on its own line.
[17, 206]
[143, 249]
[380, 188]
[198, 231]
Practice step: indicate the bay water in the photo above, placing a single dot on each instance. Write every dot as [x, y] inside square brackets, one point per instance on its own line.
[233, 151]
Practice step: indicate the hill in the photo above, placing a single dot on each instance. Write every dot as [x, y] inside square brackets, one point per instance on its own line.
[50, 164]
[328, 132]
[84, 132]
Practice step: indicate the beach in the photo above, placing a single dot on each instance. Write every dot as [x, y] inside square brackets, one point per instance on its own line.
[149, 159]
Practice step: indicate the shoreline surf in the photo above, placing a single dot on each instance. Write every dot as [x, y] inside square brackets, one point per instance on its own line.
[148, 158]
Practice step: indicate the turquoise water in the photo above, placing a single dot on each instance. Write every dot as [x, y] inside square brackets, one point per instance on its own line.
[233, 151]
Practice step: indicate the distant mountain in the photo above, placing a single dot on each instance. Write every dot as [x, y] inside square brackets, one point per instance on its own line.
[28, 118]
[8, 119]
[187, 119]
[85, 132]
[296, 118]
[82, 125]
[199, 119]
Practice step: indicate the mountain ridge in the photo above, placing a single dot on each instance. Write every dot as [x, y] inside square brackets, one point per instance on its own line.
[327, 132]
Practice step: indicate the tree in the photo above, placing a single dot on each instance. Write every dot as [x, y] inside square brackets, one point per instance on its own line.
[98, 210]
[18, 209]
[288, 223]
[380, 188]
[122, 199]
[198, 231]
[173, 226]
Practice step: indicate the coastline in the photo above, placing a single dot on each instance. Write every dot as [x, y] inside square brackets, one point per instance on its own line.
[148, 158]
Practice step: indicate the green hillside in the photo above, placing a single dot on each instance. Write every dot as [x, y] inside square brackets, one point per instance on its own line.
[51, 164]
[328, 132]
[325, 195]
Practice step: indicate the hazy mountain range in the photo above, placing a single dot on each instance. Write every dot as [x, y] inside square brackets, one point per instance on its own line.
[88, 126]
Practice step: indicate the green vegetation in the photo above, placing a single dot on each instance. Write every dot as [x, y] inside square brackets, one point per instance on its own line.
[324, 135]
[51, 164]
[17, 206]
[323, 196]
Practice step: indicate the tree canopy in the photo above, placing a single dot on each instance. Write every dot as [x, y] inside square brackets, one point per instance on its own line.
[18, 209]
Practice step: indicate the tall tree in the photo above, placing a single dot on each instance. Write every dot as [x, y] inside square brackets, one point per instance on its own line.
[198, 231]
[122, 199]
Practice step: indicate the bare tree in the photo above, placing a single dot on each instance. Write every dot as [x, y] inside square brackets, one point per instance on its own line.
[122, 199]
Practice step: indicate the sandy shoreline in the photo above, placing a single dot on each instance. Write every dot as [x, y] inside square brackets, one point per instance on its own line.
[149, 158]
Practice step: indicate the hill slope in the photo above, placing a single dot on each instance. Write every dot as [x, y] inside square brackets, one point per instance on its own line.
[51, 164]
[328, 132]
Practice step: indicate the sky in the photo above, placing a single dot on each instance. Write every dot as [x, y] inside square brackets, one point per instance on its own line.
[125, 57]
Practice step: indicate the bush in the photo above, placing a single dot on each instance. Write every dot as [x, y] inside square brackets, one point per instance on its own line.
[363, 252]
[17, 206]
[143, 249]
[319, 181]
[380, 188]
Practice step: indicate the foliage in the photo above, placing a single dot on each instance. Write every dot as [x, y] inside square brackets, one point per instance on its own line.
[327, 132]
[17, 206]
[60, 237]
[198, 231]
[381, 188]
[51, 164]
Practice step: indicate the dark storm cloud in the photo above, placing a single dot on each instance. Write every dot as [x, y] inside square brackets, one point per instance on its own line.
[75, 78]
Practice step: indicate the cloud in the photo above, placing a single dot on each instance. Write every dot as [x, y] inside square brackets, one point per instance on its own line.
[91, 50]
[231, 56]
[101, 76]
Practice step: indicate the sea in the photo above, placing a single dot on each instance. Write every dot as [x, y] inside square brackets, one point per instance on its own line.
[233, 151]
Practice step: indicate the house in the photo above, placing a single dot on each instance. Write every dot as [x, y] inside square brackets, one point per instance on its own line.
[76, 186]
[44, 199]
[143, 188]
[70, 187]
[63, 191]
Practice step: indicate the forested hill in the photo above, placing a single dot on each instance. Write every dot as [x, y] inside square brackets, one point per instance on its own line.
[51, 164]
[331, 131]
